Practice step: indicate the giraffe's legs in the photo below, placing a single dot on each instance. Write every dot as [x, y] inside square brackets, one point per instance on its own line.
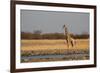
[68, 43]
[72, 43]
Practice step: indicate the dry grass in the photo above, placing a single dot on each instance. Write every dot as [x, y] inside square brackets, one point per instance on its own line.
[29, 45]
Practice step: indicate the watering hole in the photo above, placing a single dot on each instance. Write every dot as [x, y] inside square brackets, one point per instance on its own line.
[39, 58]
[53, 56]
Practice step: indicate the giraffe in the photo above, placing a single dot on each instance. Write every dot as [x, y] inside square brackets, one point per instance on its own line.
[69, 39]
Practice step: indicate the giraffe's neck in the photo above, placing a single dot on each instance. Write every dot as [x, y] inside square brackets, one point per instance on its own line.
[66, 31]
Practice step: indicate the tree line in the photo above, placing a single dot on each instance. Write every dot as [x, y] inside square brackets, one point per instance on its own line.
[39, 35]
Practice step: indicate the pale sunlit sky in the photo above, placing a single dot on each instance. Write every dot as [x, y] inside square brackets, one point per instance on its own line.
[51, 21]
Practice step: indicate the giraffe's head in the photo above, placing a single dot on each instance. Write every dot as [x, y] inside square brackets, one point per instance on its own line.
[64, 26]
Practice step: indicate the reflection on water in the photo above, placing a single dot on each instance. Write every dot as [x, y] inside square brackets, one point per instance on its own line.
[39, 58]
[53, 56]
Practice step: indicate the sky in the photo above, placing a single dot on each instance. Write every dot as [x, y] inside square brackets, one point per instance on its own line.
[52, 21]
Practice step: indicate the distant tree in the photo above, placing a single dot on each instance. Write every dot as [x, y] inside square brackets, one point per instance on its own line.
[37, 34]
[81, 36]
[26, 35]
[53, 36]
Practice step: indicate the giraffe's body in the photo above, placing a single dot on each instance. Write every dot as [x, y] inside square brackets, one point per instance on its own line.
[69, 39]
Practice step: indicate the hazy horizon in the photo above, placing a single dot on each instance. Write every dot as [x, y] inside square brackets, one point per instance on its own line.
[52, 21]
